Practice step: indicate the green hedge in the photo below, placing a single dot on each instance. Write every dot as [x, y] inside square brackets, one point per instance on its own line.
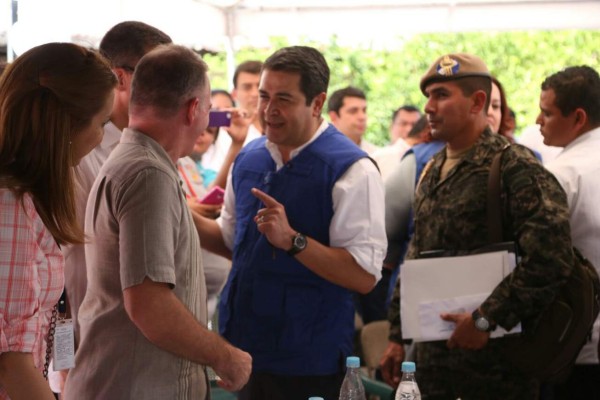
[390, 78]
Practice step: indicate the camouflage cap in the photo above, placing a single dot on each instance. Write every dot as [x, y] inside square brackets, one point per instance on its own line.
[454, 66]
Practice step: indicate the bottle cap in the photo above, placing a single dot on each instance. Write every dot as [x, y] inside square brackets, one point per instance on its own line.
[352, 362]
[315, 398]
[408, 366]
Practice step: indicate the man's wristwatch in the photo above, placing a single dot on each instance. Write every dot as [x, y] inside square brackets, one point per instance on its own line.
[298, 244]
[482, 323]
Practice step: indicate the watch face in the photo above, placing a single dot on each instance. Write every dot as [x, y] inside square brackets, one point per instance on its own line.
[482, 324]
[300, 241]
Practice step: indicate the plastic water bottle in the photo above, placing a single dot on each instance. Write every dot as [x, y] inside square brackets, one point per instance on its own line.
[408, 389]
[352, 387]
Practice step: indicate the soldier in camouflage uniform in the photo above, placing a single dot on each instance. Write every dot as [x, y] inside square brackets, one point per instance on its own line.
[450, 214]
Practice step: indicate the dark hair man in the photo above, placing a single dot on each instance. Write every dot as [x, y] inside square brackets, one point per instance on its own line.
[570, 118]
[403, 119]
[303, 215]
[245, 90]
[347, 109]
[245, 93]
[123, 45]
[450, 214]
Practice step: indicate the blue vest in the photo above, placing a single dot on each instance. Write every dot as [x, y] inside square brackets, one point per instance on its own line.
[289, 319]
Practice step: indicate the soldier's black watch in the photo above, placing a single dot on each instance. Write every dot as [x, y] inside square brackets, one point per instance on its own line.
[481, 322]
[298, 244]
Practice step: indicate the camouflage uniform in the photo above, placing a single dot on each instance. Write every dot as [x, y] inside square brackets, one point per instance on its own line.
[451, 215]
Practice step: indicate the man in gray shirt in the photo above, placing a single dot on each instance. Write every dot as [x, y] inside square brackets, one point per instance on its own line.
[143, 318]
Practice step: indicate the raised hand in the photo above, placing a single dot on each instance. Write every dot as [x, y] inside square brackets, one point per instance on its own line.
[272, 221]
[240, 122]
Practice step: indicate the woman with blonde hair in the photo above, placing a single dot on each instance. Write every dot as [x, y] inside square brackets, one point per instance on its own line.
[54, 101]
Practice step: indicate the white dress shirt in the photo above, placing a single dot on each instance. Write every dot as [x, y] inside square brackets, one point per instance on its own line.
[216, 153]
[368, 147]
[577, 168]
[358, 223]
[389, 157]
[532, 138]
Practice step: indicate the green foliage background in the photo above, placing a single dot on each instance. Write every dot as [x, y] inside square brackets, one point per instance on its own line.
[390, 78]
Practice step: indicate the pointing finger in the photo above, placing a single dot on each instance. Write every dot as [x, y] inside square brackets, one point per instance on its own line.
[265, 198]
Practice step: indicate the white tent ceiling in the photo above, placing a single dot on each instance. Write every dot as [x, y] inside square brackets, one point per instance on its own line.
[381, 21]
[229, 24]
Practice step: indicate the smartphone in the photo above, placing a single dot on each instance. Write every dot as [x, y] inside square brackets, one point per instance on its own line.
[215, 196]
[219, 118]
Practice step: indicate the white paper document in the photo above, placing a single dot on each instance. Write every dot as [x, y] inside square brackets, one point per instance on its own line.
[435, 328]
[432, 286]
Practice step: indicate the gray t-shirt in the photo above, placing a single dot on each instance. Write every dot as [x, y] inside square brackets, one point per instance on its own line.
[138, 225]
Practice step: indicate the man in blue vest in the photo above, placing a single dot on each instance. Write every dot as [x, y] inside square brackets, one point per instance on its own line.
[304, 217]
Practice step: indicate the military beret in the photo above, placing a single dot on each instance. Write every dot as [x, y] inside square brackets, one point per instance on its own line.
[454, 66]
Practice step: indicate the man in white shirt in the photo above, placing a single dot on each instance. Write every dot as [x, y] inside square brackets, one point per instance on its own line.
[303, 215]
[404, 120]
[347, 109]
[123, 45]
[530, 137]
[570, 118]
[245, 92]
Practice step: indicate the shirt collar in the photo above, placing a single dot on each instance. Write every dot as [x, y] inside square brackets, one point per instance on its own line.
[276, 154]
[487, 143]
[131, 136]
[589, 135]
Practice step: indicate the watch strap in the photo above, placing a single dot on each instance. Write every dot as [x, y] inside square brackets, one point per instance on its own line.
[294, 250]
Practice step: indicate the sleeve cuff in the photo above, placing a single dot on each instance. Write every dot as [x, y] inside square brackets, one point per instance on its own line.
[501, 316]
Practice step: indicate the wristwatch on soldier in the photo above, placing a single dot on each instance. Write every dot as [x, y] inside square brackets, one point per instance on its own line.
[481, 322]
[298, 244]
